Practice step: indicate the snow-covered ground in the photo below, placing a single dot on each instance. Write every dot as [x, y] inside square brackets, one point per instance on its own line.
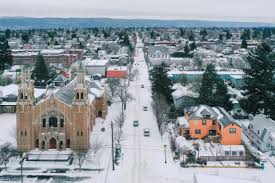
[7, 128]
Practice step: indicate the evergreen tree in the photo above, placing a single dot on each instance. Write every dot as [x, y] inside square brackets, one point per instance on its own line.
[221, 37]
[193, 46]
[244, 44]
[25, 38]
[222, 96]
[40, 72]
[206, 91]
[161, 84]
[5, 53]
[8, 33]
[213, 91]
[186, 50]
[228, 35]
[182, 32]
[260, 88]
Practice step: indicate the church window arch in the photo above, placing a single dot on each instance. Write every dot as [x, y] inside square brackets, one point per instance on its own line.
[53, 121]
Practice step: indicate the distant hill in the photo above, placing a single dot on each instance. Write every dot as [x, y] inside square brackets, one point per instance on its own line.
[26, 23]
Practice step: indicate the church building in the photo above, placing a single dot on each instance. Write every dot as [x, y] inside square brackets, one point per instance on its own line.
[64, 118]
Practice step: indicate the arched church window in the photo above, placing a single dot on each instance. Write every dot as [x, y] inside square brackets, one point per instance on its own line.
[82, 96]
[52, 122]
[77, 133]
[25, 133]
[81, 133]
[21, 95]
[77, 95]
[21, 133]
[44, 122]
[62, 122]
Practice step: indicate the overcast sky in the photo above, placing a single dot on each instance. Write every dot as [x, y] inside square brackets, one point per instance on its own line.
[242, 10]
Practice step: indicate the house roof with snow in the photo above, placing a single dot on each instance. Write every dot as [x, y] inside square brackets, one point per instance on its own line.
[262, 125]
[162, 49]
[217, 113]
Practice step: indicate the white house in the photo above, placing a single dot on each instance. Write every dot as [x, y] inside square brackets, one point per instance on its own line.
[261, 132]
[96, 66]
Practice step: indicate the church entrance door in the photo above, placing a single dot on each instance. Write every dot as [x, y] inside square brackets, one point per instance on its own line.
[52, 143]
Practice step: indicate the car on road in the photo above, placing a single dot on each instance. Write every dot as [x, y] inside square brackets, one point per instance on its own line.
[142, 86]
[135, 123]
[145, 108]
[146, 132]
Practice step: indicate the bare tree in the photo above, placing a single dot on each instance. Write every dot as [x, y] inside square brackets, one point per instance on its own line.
[96, 145]
[160, 109]
[132, 74]
[119, 122]
[7, 151]
[124, 96]
[113, 85]
[81, 155]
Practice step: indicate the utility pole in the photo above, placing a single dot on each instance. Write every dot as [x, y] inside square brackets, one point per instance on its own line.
[165, 153]
[112, 145]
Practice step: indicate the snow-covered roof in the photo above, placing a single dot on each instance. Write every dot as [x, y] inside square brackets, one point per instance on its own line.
[239, 148]
[181, 91]
[183, 122]
[95, 62]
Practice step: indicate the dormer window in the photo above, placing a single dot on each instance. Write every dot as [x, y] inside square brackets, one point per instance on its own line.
[206, 116]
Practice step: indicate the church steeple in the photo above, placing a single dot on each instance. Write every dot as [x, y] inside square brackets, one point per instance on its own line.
[81, 90]
[26, 89]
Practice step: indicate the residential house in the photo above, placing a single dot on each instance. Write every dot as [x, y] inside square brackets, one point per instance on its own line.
[96, 66]
[261, 132]
[207, 121]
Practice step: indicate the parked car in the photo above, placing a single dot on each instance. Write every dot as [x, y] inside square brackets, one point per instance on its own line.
[142, 86]
[146, 132]
[261, 156]
[135, 123]
[145, 108]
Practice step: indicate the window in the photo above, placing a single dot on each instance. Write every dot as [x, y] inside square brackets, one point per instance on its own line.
[258, 132]
[82, 96]
[197, 131]
[232, 130]
[77, 133]
[77, 95]
[226, 153]
[25, 133]
[204, 122]
[22, 133]
[214, 122]
[206, 116]
[44, 122]
[52, 122]
[81, 133]
[21, 95]
[61, 122]
[234, 153]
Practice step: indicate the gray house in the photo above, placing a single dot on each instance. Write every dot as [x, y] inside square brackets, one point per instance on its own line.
[261, 132]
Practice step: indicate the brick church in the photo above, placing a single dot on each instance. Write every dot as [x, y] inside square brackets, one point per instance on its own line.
[63, 118]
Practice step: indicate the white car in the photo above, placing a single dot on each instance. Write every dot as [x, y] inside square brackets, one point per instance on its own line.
[146, 132]
[261, 156]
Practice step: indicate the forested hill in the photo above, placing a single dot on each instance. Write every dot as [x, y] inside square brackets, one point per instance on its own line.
[26, 23]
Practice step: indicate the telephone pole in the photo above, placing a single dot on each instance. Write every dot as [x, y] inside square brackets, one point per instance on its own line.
[112, 145]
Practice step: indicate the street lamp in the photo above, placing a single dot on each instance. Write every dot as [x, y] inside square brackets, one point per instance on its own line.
[165, 146]
[21, 164]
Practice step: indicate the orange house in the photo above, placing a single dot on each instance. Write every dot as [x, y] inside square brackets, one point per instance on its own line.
[213, 121]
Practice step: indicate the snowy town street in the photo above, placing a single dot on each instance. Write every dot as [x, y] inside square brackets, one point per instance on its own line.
[143, 158]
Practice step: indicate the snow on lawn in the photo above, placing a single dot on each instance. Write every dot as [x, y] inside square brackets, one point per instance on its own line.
[7, 128]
